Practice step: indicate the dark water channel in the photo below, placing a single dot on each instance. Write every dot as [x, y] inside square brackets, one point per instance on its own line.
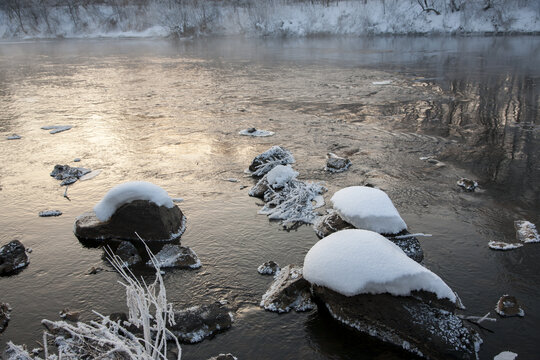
[169, 112]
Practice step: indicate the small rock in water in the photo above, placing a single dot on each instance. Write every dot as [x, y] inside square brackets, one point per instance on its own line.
[12, 257]
[255, 132]
[509, 306]
[56, 128]
[224, 357]
[76, 160]
[70, 315]
[467, 185]
[48, 213]
[336, 164]
[4, 316]
[288, 291]
[128, 253]
[94, 270]
[14, 137]
[68, 174]
[268, 268]
[196, 323]
[176, 256]
[177, 200]
[269, 159]
[499, 245]
[234, 180]
[506, 355]
[526, 231]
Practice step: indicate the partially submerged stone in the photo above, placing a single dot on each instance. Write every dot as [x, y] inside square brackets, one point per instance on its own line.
[255, 132]
[289, 291]
[467, 184]
[48, 213]
[176, 256]
[336, 164]
[127, 252]
[150, 221]
[500, 245]
[268, 268]
[14, 137]
[197, 323]
[12, 257]
[509, 306]
[54, 129]
[68, 174]
[420, 323]
[330, 223]
[269, 159]
[4, 316]
[70, 315]
[526, 231]
[224, 357]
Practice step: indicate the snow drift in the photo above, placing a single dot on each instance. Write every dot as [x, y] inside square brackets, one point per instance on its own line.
[353, 262]
[158, 18]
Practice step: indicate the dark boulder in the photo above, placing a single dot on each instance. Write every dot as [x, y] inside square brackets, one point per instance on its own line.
[269, 159]
[4, 316]
[12, 257]
[127, 252]
[150, 221]
[197, 323]
[420, 323]
[330, 223]
[288, 291]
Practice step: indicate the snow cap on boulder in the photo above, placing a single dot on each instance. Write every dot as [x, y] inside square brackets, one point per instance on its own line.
[368, 208]
[353, 262]
[280, 175]
[128, 192]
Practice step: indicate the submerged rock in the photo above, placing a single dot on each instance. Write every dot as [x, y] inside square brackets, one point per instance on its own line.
[199, 322]
[12, 257]
[4, 316]
[150, 221]
[508, 306]
[68, 174]
[268, 268]
[224, 357]
[176, 256]
[56, 128]
[467, 185]
[526, 231]
[288, 291]
[127, 252]
[49, 213]
[420, 323]
[269, 159]
[14, 137]
[336, 164]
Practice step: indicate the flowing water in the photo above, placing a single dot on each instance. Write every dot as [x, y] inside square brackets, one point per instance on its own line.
[169, 112]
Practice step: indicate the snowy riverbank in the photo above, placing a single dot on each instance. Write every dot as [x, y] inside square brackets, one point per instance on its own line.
[160, 18]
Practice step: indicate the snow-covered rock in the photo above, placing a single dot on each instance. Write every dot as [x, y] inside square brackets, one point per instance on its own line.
[368, 208]
[12, 257]
[269, 268]
[127, 192]
[288, 291]
[269, 159]
[336, 164]
[467, 184]
[506, 355]
[197, 323]
[526, 231]
[280, 175]
[172, 255]
[4, 316]
[509, 306]
[54, 129]
[48, 213]
[500, 245]
[256, 132]
[127, 252]
[353, 262]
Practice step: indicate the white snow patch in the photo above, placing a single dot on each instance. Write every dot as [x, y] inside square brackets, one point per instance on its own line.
[526, 231]
[499, 245]
[280, 175]
[368, 208]
[128, 192]
[90, 175]
[354, 262]
[383, 82]
[48, 213]
[506, 355]
[256, 133]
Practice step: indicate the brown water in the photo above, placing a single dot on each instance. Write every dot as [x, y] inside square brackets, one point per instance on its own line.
[169, 113]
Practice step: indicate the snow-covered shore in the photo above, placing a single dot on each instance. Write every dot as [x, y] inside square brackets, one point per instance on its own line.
[160, 18]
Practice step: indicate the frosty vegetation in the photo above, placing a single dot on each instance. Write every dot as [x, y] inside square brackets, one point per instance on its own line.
[353, 262]
[107, 339]
[128, 192]
[98, 18]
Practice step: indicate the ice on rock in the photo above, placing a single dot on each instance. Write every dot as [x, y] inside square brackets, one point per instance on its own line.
[14, 137]
[506, 355]
[128, 192]
[368, 208]
[526, 231]
[280, 175]
[499, 245]
[382, 82]
[354, 261]
[269, 159]
[256, 132]
[176, 256]
[48, 213]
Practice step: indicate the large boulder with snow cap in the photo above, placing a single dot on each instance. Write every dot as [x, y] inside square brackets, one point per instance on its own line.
[368, 283]
[368, 208]
[133, 207]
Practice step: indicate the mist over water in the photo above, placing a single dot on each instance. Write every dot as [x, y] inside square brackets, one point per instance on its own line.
[169, 112]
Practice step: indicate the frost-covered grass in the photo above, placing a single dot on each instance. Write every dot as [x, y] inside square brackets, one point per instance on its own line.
[107, 339]
[151, 18]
